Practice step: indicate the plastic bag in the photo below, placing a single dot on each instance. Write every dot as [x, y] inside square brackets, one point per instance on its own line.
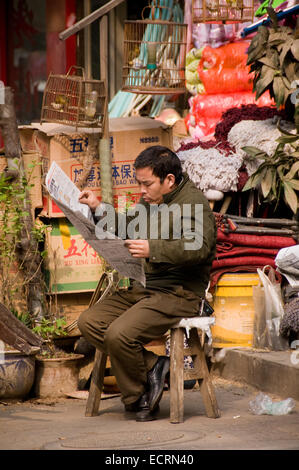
[226, 80]
[263, 405]
[213, 106]
[269, 313]
[228, 56]
[206, 110]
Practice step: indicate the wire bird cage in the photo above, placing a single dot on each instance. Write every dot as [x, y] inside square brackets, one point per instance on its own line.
[226, 11]
[74, 100]
[154, 53]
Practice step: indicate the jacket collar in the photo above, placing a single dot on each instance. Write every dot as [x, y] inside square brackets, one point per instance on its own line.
[167, 198]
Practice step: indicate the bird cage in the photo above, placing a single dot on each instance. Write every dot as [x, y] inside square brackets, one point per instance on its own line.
[226, 11]
[74, 100]
[154, 53]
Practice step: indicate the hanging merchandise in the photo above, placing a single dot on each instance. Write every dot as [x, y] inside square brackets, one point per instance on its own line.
[228, 56]
[154, 52]
[226, 80]
[73, 100]
[222, 10]
[211, 168]
[124, 103]
[206, 110]
[262, 10]
[193, 83]
[223, 69]
[214, 35]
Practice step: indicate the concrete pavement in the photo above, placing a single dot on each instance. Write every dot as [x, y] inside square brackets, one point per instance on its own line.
[61, 425]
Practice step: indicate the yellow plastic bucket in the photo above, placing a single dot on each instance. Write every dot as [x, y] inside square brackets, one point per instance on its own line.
[234, 310]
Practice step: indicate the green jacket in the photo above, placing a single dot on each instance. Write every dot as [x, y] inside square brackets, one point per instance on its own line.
[170, 263]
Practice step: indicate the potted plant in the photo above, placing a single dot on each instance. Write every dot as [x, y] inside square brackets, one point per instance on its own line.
[17, 355]
[57, 372]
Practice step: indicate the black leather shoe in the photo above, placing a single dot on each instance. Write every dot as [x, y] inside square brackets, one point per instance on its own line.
[144, 413]
[156, 379]
[132, 407]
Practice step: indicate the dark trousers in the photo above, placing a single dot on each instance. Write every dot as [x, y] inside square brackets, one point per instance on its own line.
[124, 322]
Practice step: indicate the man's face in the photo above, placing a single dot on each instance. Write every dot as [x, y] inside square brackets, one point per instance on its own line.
[152, 190]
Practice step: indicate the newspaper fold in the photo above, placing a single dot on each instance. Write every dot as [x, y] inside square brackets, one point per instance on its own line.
[66, 194]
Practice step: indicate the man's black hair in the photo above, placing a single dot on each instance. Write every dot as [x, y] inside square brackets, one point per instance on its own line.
[162, 161]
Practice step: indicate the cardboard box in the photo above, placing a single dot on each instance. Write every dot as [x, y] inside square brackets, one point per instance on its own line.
[71, 265]
[128, 137]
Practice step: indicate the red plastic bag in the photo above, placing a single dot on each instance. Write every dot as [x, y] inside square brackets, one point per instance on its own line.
[223, 69]
[206, 110]
[210, 106]
[230, 55]
[226, 80]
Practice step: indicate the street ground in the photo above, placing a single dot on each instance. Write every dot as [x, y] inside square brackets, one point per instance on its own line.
[60, 424]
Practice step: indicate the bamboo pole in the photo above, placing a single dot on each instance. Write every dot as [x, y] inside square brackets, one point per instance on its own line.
[89, 19]
[104, 147]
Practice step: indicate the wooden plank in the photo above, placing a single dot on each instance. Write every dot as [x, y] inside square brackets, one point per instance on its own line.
[120, 16]
[17, 327]
[104, 48]
[177, 375]
[206, 386]
[111, 53]
[11, 338]
[89, 19]
[87, 42]
[96, 385]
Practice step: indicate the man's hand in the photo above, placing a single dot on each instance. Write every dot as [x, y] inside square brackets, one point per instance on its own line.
[88, 197]
[138, 248]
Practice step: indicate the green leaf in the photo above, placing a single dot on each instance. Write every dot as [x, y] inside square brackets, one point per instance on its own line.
[255, 54]
[266, 77]
[272, 16]
[266, 183]
[248, 185]
[267, 61]
[278, 89]
[284, 51]
[295, 49]
[287, 139]
[290, 197]
[263, 32]
[255, 152]
[287, 84]
[294, 184]
[289, 69]
[280, 171]
[294, 169]
[283, 131]
[273, 188]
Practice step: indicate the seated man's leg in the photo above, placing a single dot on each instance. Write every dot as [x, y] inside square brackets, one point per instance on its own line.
[127, 335]
[94, 321]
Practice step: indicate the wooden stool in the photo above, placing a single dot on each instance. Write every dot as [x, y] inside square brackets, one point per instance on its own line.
[177, 372]
[200, 371]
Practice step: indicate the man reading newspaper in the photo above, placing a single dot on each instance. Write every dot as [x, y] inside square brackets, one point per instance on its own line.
[176, 241]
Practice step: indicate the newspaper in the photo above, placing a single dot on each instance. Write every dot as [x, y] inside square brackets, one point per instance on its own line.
[65, 194]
